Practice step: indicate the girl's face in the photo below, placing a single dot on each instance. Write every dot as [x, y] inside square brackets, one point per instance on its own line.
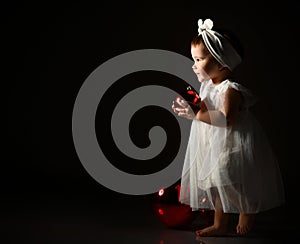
[205, 66]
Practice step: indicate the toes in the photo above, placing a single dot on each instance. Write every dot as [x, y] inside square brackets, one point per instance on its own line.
[246, 229]
[200, 233]
[242, 230]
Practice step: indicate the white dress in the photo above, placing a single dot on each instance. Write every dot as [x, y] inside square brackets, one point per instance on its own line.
[235, 165]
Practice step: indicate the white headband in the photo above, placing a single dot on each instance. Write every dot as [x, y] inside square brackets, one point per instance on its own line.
[219, 47]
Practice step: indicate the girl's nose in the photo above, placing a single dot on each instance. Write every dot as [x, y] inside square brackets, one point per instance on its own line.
[194, 67]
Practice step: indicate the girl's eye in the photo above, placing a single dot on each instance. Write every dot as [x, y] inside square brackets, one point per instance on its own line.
[198, 59]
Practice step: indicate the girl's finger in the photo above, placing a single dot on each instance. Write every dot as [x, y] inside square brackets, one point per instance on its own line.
[180, 109]
[180, 102]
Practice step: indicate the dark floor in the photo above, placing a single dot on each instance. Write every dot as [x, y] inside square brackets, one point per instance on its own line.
[60, 219]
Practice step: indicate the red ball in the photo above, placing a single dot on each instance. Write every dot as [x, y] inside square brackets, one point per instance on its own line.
[170, 211]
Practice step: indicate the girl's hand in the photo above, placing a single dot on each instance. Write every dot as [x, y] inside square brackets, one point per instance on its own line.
[184, 110]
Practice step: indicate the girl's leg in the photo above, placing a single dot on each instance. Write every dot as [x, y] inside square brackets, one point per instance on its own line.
[245, 220]
[219, 227]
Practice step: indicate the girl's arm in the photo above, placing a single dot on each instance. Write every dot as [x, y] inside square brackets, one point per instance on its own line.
[225, 117]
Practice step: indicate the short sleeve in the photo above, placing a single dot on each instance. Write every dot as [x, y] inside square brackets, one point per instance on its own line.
[249, 98]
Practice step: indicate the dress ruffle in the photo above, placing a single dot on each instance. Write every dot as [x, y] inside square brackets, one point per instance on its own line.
[233, 164]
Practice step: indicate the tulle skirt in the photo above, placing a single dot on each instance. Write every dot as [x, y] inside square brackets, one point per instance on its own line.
[231, 168]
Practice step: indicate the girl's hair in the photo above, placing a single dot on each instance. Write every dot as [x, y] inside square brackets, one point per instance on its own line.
[229, 35]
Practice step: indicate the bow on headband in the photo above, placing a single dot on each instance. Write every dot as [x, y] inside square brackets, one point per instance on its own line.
[219, 46]
[206, 25]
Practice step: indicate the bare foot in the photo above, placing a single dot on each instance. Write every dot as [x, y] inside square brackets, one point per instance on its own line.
[245, 223]
[212, 231]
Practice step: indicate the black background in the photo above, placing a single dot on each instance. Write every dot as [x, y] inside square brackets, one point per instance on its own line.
[49, 49]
